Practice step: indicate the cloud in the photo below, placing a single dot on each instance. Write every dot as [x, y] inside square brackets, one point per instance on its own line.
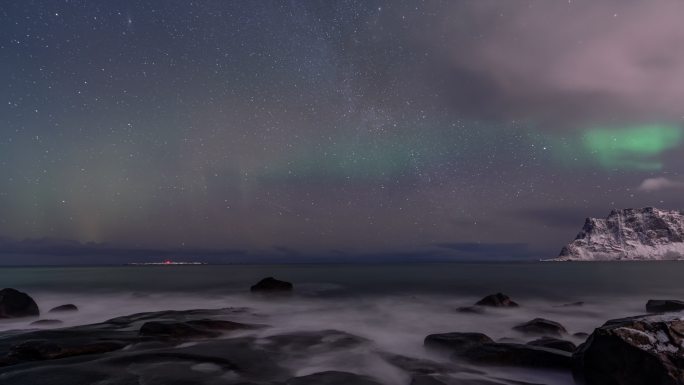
[660, 183]
[566, 63]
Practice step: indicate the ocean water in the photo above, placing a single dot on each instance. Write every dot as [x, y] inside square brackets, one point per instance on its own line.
[394, 305]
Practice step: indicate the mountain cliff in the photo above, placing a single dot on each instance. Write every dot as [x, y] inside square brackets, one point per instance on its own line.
[629, 234]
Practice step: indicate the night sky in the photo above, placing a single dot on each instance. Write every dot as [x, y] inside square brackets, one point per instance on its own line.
[337, 130]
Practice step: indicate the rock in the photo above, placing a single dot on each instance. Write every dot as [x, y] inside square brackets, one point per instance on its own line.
[541, 326]
[38, 350]
[63, 308]
[15, 304]
[554, 343]
[204, 328]
[633, 351]
[505, 354]
[272, 285]
[332, 378]
[455, 342]
[497, 300]
[581, 335]
[664, 305]
[629, 234]
[320, 341]
[46, 322]
[425, 380]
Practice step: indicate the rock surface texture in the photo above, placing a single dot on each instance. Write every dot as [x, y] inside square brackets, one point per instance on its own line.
[629, 234]
[15, 304]
[632, 351]
[272, 285]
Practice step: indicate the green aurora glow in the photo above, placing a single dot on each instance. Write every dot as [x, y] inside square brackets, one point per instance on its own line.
[635, 147]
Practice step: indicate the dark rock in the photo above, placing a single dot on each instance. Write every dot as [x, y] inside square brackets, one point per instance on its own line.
[554, 343]
[304, 342]
[497, 300]
[499, 354]
[203, 328]
[38, 350]
[581, 335]
[455, 342]
[63, 308]
[664, 305]
[272, 285]
[332, 378]
[633, 351]
[14, 304]
[426, 380]
[47, 322]
[541, 326]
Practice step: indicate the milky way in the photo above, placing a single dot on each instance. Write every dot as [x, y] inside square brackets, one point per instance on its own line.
[333, 129]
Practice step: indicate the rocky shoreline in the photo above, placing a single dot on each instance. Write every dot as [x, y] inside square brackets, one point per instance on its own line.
[226, 346]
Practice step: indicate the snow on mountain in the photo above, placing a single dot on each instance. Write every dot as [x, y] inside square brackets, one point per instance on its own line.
[629, 234]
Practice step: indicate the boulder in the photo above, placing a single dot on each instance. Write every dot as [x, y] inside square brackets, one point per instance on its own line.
[664, 305]
[15, 304]
[63, 308]
[203, 328]
[497, 300]
[554, 343]
[38, 350]
[425, 380]
[518, 355]
[541, 326]
[272, 285]
[332, 378]
[455, 342]
[633, 351]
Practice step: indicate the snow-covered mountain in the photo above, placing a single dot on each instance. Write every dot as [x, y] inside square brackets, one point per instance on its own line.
[629, 234]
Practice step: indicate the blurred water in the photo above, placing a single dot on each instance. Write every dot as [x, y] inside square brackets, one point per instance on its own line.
[395, 306]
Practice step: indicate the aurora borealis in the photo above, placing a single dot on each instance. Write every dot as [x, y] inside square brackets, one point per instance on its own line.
[338, 130]
[633, 147]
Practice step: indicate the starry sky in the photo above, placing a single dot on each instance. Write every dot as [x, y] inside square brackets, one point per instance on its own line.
[332, 130]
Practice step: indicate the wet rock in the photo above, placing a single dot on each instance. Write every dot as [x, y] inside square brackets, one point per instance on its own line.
[554, 343]
[272, 285]
[541, 326]
[323, 341]
[505, 354]
[332, 378]
[497, 300]
[633, 351]
[581, 335]
[64, 308]
[426, 380]
[38, 350]
[15, 304]
[664, 306]
[46, 322]
[455, 342]
[203, 328]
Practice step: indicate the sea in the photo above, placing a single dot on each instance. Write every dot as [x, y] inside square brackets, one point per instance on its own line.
[393, 305]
